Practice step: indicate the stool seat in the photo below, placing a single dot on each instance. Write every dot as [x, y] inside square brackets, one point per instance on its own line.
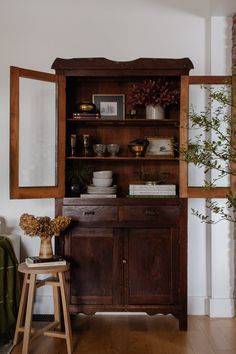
[24, 319]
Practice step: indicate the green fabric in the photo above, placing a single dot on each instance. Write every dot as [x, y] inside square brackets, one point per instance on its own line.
[9, 290]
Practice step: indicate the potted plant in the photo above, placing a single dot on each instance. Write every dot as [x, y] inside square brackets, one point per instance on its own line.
[78, 177]
[155, 95]
[45, 228]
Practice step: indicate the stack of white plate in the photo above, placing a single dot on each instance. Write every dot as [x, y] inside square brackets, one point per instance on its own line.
[102, 183]
[101, 190]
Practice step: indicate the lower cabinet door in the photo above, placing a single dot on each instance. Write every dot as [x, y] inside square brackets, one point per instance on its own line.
[94, 274]
[152, 266]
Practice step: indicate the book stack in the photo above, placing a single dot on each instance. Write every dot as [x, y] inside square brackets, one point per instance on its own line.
[155, 191]
[97, 195]
[86, 116]
[39, 262]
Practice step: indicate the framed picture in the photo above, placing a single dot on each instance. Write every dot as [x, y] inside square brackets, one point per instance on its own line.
[110, 106]
[160, 146]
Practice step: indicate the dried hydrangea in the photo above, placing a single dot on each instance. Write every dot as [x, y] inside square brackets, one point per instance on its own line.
[43, 226]
[154, 92]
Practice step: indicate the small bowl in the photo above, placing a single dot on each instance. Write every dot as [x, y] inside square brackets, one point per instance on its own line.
[99, 149]
[102, 174]
[113, 149]
[102, 182]
[138, 150]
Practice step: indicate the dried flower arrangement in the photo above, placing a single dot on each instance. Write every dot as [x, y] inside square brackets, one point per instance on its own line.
[159, 92]
[45, 228]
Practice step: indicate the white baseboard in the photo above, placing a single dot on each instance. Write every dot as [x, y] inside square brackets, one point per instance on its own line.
[198, 305]
[221, 307]
[43, 304]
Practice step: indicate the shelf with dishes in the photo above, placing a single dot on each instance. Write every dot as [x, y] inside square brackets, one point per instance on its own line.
[122, 158]
[125, 122]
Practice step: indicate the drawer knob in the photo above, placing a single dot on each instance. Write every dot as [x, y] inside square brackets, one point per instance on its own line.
[151, 212]
[124, 261]
[89, 213]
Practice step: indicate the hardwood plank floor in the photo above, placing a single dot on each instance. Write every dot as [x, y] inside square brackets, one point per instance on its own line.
[142, 334]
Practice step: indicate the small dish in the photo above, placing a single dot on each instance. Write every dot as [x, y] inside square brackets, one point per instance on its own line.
[102, 182]
[102, 174]
[99, 149]
[113, 149]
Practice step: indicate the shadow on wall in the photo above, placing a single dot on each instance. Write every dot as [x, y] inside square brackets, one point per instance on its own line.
[4, 228]
[202, 8]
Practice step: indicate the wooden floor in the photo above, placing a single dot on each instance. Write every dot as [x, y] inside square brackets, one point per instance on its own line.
[142, 334]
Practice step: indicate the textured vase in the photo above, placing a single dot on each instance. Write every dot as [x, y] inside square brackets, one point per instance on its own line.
[154, 112]
[45, 251]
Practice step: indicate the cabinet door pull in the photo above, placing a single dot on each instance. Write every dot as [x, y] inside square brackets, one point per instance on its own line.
[89, 213]
[150, 212]
[124, 261]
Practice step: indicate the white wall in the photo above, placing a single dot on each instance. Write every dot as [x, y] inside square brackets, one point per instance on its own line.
[33, 33]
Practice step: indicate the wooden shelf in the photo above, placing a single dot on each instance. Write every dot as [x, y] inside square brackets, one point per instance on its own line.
[124, 122]
[122, 158]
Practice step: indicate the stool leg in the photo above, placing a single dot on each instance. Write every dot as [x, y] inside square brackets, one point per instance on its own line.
[57, 308]
[28, 317]
[66, 314]
[21, 311]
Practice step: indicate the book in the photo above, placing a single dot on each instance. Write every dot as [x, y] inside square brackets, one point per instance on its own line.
[147, 192]
[86, 116]
[158, 187]
[36, 259]
[98, 196]
[150, 196]
[31, 264]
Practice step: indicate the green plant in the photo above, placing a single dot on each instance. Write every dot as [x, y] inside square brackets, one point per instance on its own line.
[80, 173]
[214, 149]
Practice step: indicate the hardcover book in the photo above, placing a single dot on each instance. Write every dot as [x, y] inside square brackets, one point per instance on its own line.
[31, 264]
[35, 259]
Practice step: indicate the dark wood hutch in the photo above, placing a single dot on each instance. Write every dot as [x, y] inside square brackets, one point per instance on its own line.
[126, 254]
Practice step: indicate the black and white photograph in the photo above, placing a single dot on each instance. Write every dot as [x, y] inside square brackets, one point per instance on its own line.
[110, 106]
[160, 146]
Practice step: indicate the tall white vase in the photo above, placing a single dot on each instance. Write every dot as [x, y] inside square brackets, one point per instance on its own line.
[154, 112]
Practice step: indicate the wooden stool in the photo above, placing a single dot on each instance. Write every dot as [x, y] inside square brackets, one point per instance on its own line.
[24, 319]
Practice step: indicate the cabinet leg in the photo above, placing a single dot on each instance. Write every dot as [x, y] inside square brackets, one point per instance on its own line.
[183, 322]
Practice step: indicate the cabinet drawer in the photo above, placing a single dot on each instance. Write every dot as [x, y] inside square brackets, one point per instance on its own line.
[161, 215]
[91, 213]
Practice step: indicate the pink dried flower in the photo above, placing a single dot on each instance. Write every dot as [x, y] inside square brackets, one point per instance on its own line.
[154, 92]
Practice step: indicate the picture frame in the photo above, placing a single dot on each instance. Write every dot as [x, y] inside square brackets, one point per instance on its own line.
[160, 146]
[110, 106]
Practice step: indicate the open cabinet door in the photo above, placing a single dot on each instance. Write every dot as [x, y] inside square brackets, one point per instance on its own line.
[188, 190]
[37, 134]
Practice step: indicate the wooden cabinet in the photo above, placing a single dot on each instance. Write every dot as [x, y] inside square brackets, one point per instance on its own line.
[126, 254]
[87, 78]
[125, 262]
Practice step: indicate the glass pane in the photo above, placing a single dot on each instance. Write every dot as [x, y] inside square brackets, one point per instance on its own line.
[197, 102]
[37, 134]
[200, 104]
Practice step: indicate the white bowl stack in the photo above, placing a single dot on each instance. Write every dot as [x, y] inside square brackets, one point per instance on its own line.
[102, 183]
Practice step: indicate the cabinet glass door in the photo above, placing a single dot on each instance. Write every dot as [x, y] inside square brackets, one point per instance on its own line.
[37, 126]
[193, 96]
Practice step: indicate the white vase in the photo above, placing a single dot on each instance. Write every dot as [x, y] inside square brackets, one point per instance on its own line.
[154, 112]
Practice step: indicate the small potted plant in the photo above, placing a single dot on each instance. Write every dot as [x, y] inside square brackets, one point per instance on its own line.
[45, 228]
[155, 95]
